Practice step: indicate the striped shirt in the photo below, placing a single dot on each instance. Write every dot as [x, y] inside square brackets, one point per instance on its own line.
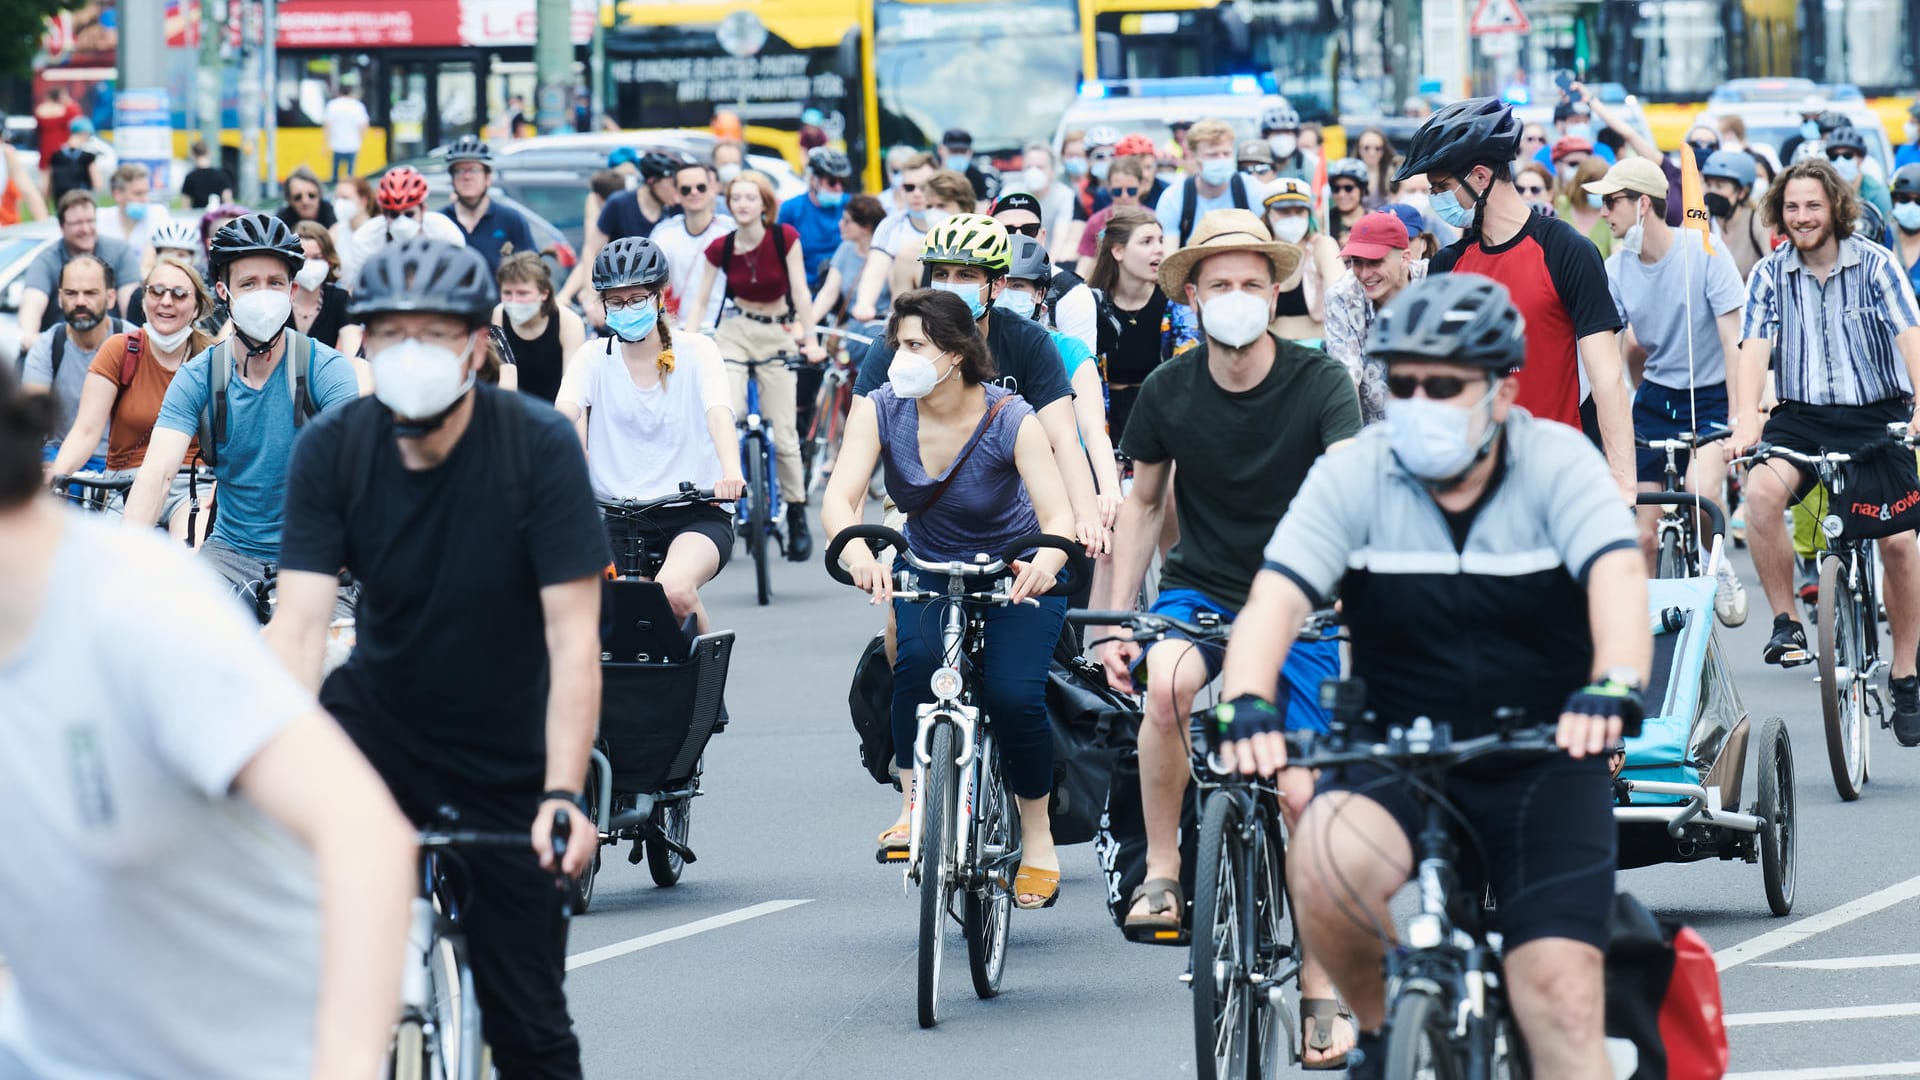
[1833, 340]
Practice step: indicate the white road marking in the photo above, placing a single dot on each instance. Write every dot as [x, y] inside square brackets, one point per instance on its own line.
[676, 933]
[1833, 1072]
[1808, 1016]
[1774, 940]
[1851, 963]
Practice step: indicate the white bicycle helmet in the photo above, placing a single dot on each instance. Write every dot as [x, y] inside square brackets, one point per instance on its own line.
[177, 236]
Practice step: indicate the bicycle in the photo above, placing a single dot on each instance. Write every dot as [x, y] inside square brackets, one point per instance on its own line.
[438, 1036]
[1677, 533]
[965, 826]
[98, 493]
[821, 443]
[758, 515]
[643, 550]
[1848, 620]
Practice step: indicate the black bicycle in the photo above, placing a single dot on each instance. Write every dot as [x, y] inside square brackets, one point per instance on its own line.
[1677, 533]
[758, 515]
[641, 548]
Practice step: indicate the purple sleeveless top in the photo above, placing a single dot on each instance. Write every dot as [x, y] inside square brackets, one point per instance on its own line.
[984, 509]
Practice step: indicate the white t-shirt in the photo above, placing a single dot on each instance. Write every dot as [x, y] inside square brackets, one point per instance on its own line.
[642, 443]
[686, 260]
[345, 121]
[137, 888]
[138, 234]
[369, 238]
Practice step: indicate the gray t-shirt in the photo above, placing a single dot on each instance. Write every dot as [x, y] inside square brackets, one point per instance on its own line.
[155, 925]
[69, 380]
[44, 272]
[848, 260]
[1652, 299]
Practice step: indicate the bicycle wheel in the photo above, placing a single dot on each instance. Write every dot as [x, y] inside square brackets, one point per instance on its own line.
[1419, 1037]
[987, 910]
[676, 821]
[1774, 808]
[1222, 1001]
[759, 520]
[1274, 948]
[936, 873]
[1510, 1060]
[1843, 683]
[582, 889]
[412, 1058]
[1670, 563]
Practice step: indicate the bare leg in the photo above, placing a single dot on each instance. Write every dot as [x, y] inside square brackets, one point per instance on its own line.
[1557, 995]
[1036, 842]
[1348, 859]
[1901, 558]
[691, 562]
[1767, 490]
[1175, 673]
[1315, 982]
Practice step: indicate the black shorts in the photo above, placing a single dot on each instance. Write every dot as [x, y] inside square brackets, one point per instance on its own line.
[657, 532]
[1815, 429]
[1542, 834]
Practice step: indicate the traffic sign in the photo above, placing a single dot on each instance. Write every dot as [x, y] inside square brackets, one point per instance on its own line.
[1498, 17]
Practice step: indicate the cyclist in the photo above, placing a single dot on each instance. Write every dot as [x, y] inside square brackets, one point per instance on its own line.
[1126, 179]
[1500, 530]
[1837, 319]
[815, 212]
[894, 265]
[1378, 267]
[128, 379]
[1555, 277]
[1287, 208]
[1729, 177]
[161, 830]
[857, 226]
[940, 416]
[541, 333]
[276, 378]
[465, 513]
[178, 240]
[402, 198]
[1070, 306]
[1347, 187]
[1235, 423]
[1280, 126]
[493, 230]
[319, 303]
[685, 237]
[1903, 238]
[58, 362]
[79, 235]
[1847, 152]
[1144, 327]
[132, 217]
[653, 413]
[1215, 182]
[767, 285]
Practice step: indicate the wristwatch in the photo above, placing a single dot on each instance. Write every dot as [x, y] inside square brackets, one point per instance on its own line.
[1621, 676]
[578, 800]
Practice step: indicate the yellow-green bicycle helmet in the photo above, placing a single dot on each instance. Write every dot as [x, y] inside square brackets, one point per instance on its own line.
[969, 240]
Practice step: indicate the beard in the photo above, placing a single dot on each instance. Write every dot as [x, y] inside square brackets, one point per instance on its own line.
[83, 319]
[470, 204]
[1810, 239]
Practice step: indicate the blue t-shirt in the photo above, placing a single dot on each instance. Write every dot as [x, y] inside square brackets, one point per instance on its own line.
[499, 232]
[1073, 351]
[259, 444]
[819, 229]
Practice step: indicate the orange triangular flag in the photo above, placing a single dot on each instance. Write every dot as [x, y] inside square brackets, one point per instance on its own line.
[1693, 200]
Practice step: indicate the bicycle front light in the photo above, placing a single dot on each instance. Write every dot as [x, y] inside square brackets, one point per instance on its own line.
[946, 684]
[1423, 931]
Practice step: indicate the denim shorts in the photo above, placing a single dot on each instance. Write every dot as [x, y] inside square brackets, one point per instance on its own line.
[1661, 412]
[1308, 663]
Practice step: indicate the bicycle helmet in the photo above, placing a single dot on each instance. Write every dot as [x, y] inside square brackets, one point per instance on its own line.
[1831, 121]
[467, 148]
[1454, 319]
[1279, 118]
[623, 155]
[630, 260]
[1469, 132]
[826, 161]
[425, 276]
[657, 165]
[177, 235]
[1734, 165]
[1101, 136]
[401, 189]
[969, 240]
[254, 234]
[1135, 145]
[1906, 179]
[1028, 260]
[1348, 168]
[1847, 138]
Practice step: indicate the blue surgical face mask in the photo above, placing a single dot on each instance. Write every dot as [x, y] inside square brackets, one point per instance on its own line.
[1598, 202]
[1448, 209]
[830, 199]
[1099, 169]
[1907, 216]
[634, 323]
[1218, 170]
[1015, 302]
[959, 162]
[136, 211]
[971, 293]
[1076, 166]
[1809, 129]
[1848, 168]
[1434, 440]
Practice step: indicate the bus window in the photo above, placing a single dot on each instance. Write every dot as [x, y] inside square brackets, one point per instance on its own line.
[459, 90]
[307, 80]
[407, 110]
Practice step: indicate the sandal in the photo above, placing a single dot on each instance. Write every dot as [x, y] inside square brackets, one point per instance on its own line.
[1163, 922]
[895, 844]
[1033, 881]
[1323, 1012]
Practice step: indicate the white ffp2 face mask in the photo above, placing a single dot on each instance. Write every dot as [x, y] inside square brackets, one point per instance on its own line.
[1235, 320]
[261, 313]
[312, 274]
[418, 381]
[403, 228]
[521, 312]
[1290, 227]
[912, 375]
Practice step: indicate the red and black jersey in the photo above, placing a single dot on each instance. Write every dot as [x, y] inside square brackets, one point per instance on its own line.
[1559, 283]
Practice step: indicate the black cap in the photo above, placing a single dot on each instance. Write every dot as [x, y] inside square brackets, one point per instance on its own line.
[1566, 110]
[1180, 125]
[1018, 200]
[956, 137]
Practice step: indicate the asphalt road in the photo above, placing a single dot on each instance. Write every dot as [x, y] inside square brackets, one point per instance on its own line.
[786, 952]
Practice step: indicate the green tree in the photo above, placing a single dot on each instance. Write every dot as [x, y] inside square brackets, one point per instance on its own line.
[21, 24]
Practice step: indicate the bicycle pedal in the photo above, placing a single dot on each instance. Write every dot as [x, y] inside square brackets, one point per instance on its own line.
[1794, 658]
[892, 856]
[1176, 938]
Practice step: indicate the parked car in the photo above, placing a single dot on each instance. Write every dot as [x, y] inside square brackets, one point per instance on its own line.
[19, 246]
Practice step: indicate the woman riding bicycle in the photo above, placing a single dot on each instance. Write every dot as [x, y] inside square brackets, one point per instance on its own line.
[1145, 327]
[973, 469]
[652, 413]
[176, 297]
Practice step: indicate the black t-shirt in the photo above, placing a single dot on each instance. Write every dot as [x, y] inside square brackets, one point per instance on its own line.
[622, 217]
[1028, 360]
[293, 219]
[450, 560]
[332, 317]
[1139, 349]
[203, 185]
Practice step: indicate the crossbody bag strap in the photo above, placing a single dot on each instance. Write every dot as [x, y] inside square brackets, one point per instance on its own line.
[979, 436]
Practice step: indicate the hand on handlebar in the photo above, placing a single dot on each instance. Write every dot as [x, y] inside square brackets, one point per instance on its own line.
[1118, 657]
[582, 837]
[1596, 716]
[811, 349]
[1030, 579]
[729, 487]
[873, 579]
[1746, 432]
[1252, 736]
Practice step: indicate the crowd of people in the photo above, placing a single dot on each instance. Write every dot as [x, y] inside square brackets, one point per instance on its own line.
[1271, 368]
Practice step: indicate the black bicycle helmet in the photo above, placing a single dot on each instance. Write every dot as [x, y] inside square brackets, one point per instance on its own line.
[430, 277]
[1830, 121]
[826, 161]
[1030, 262]
[253, 234]
[630, 260]
[1469, 132]
[467, 148]
[1906, 179]
[1847, 138]
[1457, 318]
[658, 165]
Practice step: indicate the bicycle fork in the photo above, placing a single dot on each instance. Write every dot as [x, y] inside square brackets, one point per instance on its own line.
[946, 708]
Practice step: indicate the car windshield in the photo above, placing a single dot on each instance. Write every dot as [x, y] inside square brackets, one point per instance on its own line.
[1244, 127]
[1018, 63]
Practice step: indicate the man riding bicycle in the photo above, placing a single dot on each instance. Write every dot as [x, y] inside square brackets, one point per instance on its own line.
[1502, 532]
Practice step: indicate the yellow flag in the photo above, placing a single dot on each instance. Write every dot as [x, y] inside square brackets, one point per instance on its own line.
[1693, 200]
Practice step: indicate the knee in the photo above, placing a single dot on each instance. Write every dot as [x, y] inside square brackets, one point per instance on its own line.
[1899, 551]
[1561, 1001]
[1765, 495]
[681, 596]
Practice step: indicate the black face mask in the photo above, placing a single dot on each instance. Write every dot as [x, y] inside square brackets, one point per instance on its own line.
[1719, 205]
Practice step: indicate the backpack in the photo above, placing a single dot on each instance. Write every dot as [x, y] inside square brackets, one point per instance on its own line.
[1063, 282]
[213, 416]
[1190, 201]
[60, 348]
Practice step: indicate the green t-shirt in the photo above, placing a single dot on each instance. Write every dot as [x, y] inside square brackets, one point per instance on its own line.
[1238, 457]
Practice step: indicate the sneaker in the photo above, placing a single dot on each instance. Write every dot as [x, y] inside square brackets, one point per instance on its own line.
[799, 540]
[1730, 597]
[1906, 709]
[1788, 645]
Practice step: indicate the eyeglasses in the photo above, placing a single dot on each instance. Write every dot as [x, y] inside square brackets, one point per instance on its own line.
[310, 196]
[1530, 189]
[1123, 192]
[1031, 228]
[178, 293]
[616, 304]
[1438, 387]
[383, 337]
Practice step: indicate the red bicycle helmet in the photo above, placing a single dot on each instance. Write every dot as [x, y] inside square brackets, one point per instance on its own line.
[1133, 145]
[401, 189]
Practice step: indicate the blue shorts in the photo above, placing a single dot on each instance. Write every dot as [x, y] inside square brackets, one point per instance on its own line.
[1309, 663]
[1661, 412]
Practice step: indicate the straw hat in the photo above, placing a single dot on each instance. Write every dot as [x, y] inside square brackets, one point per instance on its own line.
[1219, 232]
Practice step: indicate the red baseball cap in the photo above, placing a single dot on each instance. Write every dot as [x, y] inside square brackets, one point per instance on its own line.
[1374, 234]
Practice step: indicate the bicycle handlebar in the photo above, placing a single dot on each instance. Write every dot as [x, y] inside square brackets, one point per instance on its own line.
[687, 495]
[1687, 498]
[1405, 748]
[1686, 440]
[1078, 571]
[1323, 625]
[98, 481]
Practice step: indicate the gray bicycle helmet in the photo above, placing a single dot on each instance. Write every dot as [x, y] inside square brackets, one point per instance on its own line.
[253, 234]
[467, 148]
[1469, 132]
[1830, 121]
[429, 277]
[630, 260]
[826, 161]
[1906, 179]
[1458, 318]
[1030, 262]
[1734, 165]
[1097, 137]
[1279, 118]
[1846, 138]
[1350, 168]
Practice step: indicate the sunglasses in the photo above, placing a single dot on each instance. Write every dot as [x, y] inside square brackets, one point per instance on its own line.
[1255, 168]
[1123, 192]
[1611, 199]
[908, 185]
[1438, 387]
[689, 189]
[1031, 228]
[311, 196]
[1902, 200]
[1347, 188]
[1530, 189]
[1844, 155]
[178, 293]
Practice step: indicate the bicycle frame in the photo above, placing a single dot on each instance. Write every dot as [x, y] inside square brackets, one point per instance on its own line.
[436, 920]
[755, 439]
